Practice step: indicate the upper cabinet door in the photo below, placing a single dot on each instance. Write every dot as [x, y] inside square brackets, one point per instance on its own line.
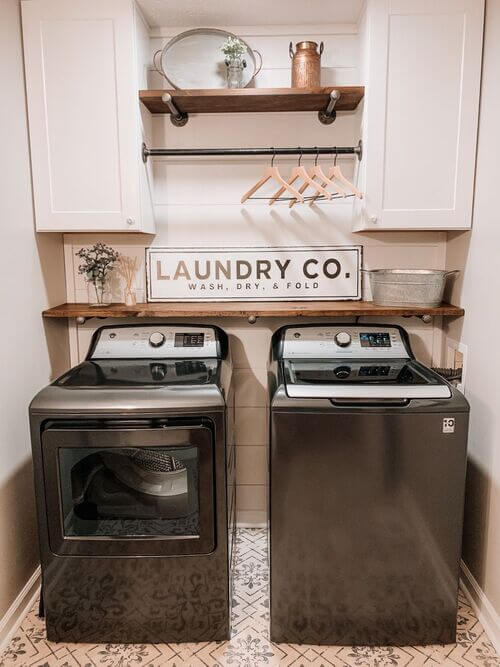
[423, 72]
[81, 75]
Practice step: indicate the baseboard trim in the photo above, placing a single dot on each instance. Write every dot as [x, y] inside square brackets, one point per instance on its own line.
[483, 608]
[15, 614]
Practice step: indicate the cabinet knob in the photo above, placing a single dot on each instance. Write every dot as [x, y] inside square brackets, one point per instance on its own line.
[373, 219]
[130, 221]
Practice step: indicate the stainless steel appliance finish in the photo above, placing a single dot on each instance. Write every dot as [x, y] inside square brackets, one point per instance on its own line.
[366, 489]
[134, 474]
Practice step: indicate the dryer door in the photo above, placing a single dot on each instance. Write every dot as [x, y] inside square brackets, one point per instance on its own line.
[130, 489]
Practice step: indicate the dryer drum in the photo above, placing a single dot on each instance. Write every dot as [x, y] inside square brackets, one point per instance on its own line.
[154, 460]
[148, 470]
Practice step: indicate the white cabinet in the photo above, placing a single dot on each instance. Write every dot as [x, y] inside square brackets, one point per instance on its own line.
[422, 69]
[83, 71]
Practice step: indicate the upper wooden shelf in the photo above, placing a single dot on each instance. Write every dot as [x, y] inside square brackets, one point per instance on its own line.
[230, 100]
[249, 309]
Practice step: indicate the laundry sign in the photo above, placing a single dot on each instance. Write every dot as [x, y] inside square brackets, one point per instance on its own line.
[254, 274]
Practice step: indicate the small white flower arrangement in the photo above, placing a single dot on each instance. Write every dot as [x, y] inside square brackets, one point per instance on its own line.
[233, 48]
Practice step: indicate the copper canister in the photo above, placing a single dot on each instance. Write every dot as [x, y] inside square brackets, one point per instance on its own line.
[306, 64]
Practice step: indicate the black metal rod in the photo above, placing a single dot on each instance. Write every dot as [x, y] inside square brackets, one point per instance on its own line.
[206, 152]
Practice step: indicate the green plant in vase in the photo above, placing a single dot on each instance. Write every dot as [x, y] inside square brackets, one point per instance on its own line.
[233, 48]
[98, 262]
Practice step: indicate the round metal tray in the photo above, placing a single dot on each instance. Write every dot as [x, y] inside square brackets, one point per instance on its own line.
[194, 59]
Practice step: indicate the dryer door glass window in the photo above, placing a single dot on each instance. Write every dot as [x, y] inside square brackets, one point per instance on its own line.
[141, 490]
[130, 491]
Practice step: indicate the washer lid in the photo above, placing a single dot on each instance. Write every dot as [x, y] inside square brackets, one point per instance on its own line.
[361, 379]
[134, 385]
[129, 373]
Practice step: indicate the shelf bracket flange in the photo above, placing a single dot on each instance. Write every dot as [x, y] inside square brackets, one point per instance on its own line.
[328, 115]
[426, 317]
[81, 319]
[177, 118]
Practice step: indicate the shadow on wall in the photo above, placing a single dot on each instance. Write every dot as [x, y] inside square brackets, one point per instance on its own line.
[17, 527]
[479, 488]
[477, 501]
[460, 242]
[51, 254]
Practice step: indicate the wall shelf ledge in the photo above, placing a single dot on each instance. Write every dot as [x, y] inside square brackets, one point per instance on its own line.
[250, 310]
[326, 101]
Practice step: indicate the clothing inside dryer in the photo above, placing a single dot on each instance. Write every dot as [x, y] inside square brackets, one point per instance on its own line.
[130, 491]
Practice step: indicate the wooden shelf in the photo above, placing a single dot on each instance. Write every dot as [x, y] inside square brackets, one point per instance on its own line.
[249, 309]
[224, 100]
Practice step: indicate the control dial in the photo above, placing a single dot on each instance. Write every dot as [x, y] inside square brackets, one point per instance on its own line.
[156, 339]
[342, 372]
[343, 339]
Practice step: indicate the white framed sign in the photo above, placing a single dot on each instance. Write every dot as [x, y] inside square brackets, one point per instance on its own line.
[304, 273]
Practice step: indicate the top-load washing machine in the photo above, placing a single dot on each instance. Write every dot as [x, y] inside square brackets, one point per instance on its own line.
[134, 474]
[367, 475]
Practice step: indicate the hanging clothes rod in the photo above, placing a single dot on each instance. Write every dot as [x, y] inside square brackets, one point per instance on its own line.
[205, 152]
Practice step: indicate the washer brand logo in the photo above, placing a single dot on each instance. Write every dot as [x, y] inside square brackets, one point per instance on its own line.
[449, 425]
[254, 274]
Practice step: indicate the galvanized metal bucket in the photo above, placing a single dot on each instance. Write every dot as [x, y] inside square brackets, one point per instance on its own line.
[408, 287]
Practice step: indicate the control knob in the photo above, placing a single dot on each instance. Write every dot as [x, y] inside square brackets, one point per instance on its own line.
[343, 339]
[156, 339]
[342, 372]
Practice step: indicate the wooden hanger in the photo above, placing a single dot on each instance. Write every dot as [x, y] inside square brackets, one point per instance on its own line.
[305, 174]
[335, 172]
[272, 172]
[316, 171]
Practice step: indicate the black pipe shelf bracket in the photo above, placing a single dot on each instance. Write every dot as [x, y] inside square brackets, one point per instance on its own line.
[177, 118]
[238, 152]
[327, 116]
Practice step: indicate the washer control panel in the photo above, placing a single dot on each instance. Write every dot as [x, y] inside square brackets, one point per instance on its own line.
[154, 341]
[338, 342]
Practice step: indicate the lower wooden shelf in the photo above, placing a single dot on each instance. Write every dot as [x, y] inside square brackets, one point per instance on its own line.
[249, 309]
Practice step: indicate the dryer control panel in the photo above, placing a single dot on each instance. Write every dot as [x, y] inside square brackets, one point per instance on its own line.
[344, 341]
[155, 341]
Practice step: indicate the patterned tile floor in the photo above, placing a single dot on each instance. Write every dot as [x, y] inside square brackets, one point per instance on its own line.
[250, 645]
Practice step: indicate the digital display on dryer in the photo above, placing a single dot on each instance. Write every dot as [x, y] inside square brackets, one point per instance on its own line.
[189, 340]
[376, 339]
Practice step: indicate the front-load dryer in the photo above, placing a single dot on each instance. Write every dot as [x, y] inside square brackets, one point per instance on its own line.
[367, 474]
[134, 475]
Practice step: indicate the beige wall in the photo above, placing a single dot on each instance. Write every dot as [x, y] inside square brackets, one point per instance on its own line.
[477, 290]
[30, 352]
